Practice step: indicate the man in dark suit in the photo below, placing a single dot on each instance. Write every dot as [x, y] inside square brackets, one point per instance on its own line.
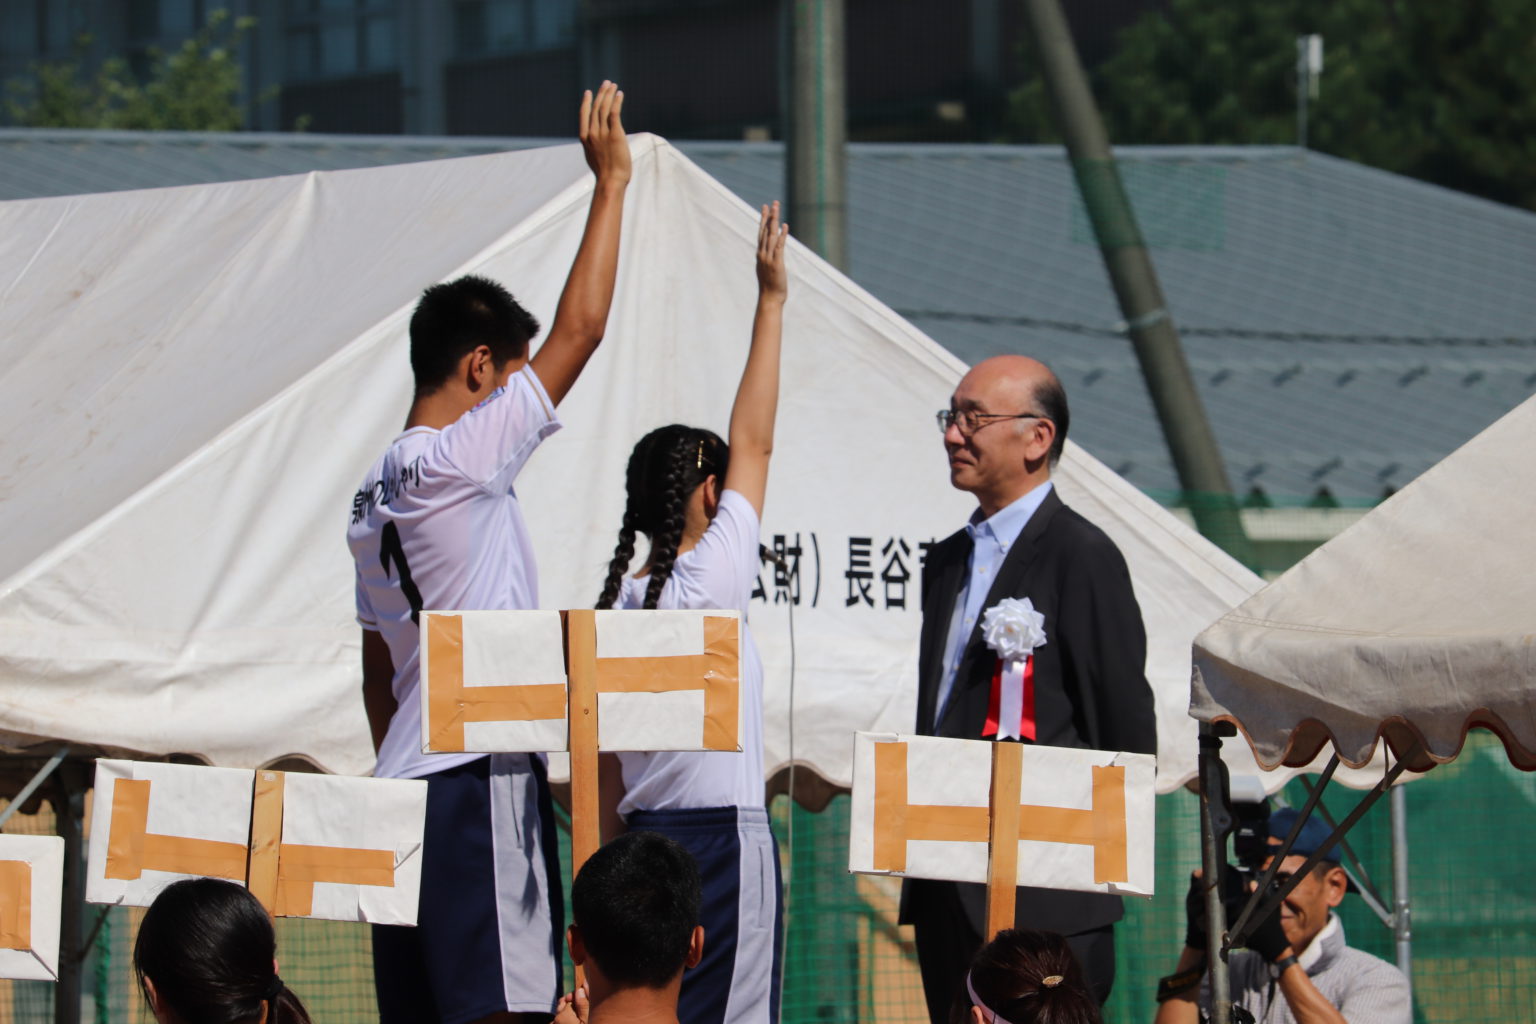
[1004, 431]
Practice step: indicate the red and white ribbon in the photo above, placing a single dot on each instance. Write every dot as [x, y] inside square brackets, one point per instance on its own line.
[1011, 710]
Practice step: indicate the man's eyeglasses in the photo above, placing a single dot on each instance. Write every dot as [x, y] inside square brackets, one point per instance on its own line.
[969, 420]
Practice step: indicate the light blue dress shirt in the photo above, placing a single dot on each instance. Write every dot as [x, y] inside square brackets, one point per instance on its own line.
[990, 540]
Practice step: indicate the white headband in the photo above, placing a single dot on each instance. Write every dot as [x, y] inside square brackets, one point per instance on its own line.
[976, 1001]
[1049, 982]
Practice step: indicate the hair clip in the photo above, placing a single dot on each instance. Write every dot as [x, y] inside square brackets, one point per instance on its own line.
[700, 463]
[1052, 980]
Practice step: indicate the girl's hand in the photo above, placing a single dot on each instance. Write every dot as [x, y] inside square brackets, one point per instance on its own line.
[772, 278]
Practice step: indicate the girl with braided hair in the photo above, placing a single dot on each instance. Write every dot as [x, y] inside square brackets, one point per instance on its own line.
[206, 954]
[700, 504]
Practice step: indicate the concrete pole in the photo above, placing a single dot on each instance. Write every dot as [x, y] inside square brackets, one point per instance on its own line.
[817, 133]
[1191, 443]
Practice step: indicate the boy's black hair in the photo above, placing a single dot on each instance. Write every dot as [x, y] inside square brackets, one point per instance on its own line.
[452, 319]
[636, 903]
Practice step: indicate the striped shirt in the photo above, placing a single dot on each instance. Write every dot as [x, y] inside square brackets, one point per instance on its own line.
[1364, 988]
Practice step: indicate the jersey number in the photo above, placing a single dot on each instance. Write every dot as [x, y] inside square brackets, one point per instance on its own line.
[392, 550]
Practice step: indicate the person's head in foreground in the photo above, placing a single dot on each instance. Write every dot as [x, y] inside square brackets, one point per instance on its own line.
[206, 954]
[1025, 977]
[1304, 913]
[635, 910]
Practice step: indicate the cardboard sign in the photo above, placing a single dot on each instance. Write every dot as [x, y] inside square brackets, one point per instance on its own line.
[322, 846]
[31, 890]
[923, 807]
[498, 681]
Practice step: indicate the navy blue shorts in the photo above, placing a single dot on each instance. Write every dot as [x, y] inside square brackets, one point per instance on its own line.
[490, 923]
[737, 981]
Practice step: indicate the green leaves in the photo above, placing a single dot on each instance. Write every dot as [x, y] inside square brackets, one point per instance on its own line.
[1444, 92]
[195, 87]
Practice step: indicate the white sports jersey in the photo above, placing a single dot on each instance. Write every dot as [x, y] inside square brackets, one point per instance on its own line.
[719, 572]
[436, 524]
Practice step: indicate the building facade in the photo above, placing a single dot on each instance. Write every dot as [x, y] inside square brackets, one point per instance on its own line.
[917, 69]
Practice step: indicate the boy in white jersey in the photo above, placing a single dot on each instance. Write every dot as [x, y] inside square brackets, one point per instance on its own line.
[436, 524]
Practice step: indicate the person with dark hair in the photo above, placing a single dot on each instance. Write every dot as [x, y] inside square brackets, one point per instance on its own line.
[1004, 430]
[456, 317]
[1025, 977]
[206, 954]
[700, 503]
[635, 905]
[437, 524]
[1297, 968]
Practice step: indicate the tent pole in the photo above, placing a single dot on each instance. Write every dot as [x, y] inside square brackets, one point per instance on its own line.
[32, 784]
[1354, 867]
[1215, 821]
[1402, 915]
[69, 814]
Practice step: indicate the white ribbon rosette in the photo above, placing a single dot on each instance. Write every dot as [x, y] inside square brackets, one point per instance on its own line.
[1012, 629]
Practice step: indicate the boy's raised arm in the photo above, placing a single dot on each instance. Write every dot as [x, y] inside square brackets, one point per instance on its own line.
[582, 316]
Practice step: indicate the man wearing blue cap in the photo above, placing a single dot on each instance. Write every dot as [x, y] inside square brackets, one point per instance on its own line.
[1296, 969]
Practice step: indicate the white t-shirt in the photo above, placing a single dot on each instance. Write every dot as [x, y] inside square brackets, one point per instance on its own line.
[436, 524]
[719, 572]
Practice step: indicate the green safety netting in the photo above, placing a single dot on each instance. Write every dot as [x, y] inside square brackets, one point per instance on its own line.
[1469, 824]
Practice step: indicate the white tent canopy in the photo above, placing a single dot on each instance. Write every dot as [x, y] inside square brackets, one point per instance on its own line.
[193, 381]
[1413, 625]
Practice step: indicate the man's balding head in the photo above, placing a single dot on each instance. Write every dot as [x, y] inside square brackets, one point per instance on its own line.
[1020, 424]
[1029, 385]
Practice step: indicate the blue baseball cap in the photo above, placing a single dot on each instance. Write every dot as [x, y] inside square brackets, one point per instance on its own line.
[1313, 836]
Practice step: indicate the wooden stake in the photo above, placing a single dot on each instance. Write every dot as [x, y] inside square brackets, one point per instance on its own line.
[581, 654]
[581, 643]
[266, 838]
[1003, 842]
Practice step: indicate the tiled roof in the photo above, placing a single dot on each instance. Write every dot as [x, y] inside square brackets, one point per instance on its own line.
[1347, 327]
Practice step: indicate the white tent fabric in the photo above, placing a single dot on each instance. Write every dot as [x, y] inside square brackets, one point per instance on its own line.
[1413, 625]
[193, 381]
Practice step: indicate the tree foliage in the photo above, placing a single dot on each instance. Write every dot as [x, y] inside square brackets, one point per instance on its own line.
[195, 87]
[1442, 91]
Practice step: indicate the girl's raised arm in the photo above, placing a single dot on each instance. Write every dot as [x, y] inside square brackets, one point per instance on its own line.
[757, 398]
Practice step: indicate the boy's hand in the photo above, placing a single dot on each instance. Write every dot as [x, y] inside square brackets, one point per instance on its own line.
[602, 135]
[572, 1008]
[772, 278]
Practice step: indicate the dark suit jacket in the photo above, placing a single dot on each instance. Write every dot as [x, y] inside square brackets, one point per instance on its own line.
[1091, 688]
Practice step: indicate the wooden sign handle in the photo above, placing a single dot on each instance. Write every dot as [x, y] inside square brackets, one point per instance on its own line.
[581, 648]
[1003, 840]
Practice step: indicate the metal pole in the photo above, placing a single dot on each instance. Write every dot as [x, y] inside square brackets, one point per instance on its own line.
[69, 813]
[1215, 822]
[1179, 408]
[1402, 915]
[32, 784]
[1303, 76]
[818, 128]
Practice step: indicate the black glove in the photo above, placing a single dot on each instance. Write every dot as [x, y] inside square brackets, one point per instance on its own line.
[1194, 915]
[1268, 938]
[1194, 906]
